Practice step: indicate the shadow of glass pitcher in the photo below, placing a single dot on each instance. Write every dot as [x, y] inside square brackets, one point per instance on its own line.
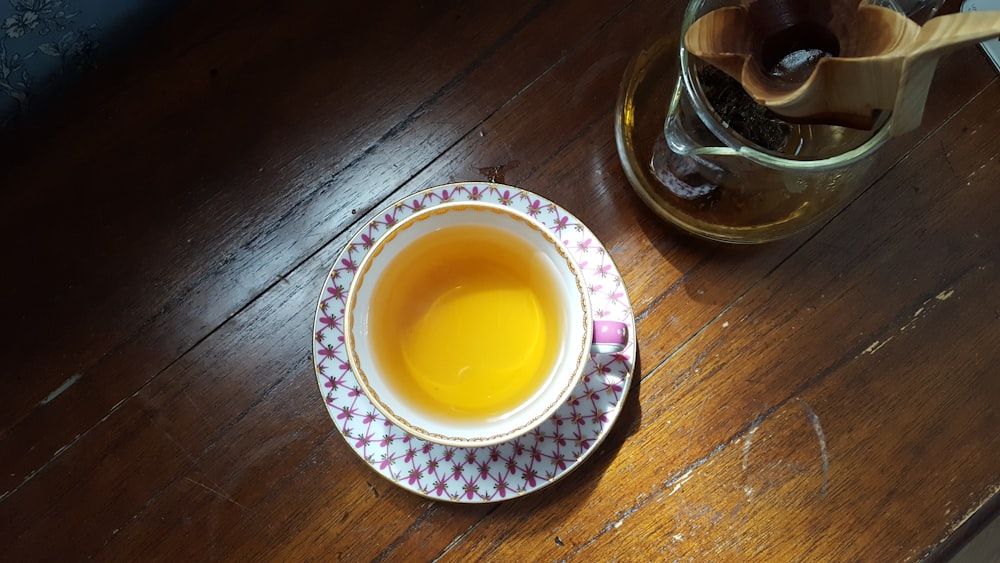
[704, 156]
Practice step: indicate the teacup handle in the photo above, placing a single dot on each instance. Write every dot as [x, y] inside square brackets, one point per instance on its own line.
[609, 337]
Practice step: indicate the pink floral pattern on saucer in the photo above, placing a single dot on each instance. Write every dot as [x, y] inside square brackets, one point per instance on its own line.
[494, 473]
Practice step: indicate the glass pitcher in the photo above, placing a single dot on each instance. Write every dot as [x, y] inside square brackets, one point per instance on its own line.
[762, 182]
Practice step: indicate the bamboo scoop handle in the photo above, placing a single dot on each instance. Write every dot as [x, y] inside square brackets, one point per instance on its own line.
[937, 37]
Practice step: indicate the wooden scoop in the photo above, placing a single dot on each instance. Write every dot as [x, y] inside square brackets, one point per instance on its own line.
[831, 61]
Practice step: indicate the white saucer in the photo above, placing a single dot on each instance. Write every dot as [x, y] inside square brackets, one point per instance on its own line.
[510, 469]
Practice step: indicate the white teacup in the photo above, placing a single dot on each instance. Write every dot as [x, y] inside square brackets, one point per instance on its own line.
[468, 324]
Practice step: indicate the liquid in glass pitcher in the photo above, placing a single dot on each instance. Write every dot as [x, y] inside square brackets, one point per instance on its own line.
[719, 165]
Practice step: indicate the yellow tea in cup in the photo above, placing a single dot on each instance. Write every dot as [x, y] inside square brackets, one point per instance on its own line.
[468, 323]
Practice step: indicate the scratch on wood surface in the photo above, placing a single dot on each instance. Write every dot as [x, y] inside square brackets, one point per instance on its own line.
[201, 414]
[61, 389]
[216, 492]
[977, 506]
[66, 447]
[746, 445]
[699, 416]
[876, 346]
[824, 454]
[954, 525]
[911, 324]
[673, 483]
[170, 437]
[618, 524]
[680, 481]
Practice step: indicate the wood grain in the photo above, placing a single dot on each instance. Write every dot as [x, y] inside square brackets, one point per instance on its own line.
[831, 397]
[166, 305]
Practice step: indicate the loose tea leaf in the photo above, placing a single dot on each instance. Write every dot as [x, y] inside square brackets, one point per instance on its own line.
[740, 112]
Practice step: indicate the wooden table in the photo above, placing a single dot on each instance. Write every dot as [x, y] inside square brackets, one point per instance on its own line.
[168, 230]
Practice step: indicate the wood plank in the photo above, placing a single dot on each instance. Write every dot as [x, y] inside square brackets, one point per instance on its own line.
[322, 169]
[849, 330]
[184, 200]
[225, 450]
[239, 411]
